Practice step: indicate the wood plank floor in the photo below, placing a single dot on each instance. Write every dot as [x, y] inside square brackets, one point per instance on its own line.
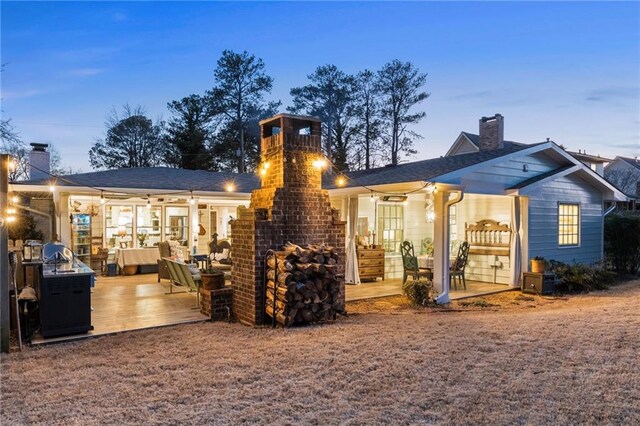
[393, 287]
[135, 302]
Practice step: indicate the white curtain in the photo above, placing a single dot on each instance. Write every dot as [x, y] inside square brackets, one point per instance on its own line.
[351, 273]
[515, 259]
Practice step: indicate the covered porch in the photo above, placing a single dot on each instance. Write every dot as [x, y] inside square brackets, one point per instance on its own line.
[393, 287]
[436, 219]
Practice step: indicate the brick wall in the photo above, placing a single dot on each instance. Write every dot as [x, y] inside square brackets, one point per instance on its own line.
[290, 206]
[216, 304]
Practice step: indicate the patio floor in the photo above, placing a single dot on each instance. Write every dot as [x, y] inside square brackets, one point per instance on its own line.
[393, 287]
[134, 302]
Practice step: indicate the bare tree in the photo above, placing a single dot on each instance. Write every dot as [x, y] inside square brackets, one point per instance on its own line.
[240, 86]
[132, 140]
[329, 96]
[367, 112]
[400, 85]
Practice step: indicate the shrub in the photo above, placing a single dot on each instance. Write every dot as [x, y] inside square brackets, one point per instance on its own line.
[419, 292]
[578, 278]
[622, 241]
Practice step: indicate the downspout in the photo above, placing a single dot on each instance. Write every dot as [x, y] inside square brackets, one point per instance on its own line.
[610, 209]
[446, 284]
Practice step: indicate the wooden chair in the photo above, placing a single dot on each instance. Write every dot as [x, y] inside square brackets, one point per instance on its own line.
[410, 263]
[165, 251]
[457, 269]
[101, 255]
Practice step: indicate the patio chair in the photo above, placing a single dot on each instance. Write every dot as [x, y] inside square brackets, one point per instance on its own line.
[410, 263]
[457, 269]
[181, 275]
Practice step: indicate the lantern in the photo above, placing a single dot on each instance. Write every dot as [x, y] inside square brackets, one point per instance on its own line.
[32, 251]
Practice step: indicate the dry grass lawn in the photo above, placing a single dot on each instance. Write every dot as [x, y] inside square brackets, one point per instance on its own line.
[507, 359]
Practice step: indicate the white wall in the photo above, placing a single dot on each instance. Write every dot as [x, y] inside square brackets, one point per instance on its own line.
[474, 208]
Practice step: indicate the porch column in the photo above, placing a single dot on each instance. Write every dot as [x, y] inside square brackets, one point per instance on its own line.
[351, 273]
[441, 246]
[515, 258]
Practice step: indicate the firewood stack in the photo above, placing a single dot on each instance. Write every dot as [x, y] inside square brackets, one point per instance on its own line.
[305, 286]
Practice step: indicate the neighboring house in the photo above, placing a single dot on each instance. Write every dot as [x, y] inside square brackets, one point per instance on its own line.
[552, 203]
[624, 173]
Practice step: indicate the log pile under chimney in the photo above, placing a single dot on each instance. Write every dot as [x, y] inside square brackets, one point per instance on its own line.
[302, 284]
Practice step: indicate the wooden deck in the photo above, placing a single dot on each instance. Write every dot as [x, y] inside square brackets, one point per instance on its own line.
[393, 287]
[134, 302]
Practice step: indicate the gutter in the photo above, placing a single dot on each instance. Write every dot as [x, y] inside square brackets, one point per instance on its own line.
[443, 297]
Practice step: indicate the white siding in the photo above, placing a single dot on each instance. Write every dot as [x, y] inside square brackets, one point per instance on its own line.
[543, 221]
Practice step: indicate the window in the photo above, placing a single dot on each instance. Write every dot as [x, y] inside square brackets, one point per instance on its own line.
[391, 226]
[177, 224]
[568, 224]
[119, 226]
[148, 225]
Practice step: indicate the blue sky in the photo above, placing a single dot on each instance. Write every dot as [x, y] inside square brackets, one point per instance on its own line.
[567, 71]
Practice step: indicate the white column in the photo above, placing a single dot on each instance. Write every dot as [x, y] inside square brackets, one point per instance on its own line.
[441, 246]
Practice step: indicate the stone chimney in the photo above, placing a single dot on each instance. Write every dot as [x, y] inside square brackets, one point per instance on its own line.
[491, 132]
[39, 161]
[290, 206]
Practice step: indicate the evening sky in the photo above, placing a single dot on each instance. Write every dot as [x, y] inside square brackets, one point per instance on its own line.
[567, 71]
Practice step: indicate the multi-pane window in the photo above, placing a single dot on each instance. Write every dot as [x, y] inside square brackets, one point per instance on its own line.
[568, 224]
[391, 226]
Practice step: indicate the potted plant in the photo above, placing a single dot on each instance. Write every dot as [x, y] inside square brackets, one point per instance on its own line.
[538, 264]
[212, 278]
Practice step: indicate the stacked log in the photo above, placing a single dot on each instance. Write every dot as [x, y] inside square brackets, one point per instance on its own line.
[302, 285]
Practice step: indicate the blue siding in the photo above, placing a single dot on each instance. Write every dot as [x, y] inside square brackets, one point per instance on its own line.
[543, 220]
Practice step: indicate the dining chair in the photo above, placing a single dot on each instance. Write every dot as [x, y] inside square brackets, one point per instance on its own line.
[410, 263]
[458, 267]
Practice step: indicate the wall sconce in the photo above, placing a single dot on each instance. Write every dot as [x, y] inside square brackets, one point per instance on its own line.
[264, 167]
[319, 163]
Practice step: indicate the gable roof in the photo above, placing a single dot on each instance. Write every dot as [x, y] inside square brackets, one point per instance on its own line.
[424, 170]
[632, 161]
[155, 178]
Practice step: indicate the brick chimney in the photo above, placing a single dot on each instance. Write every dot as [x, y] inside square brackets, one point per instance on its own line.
[491, 132]
[39, 161]
[290, 206]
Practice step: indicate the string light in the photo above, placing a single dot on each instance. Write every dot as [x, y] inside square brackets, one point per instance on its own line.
[52, 188]
[341, 181]
[15, 199]
[229, 187]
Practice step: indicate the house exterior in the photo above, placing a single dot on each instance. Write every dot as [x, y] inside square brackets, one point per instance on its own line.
[552, 203]
[624, 172]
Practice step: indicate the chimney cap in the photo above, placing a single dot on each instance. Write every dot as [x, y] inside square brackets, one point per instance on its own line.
[39, 146]
[493, 117]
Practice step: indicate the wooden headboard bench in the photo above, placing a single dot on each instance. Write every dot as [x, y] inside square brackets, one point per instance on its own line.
[488, 237]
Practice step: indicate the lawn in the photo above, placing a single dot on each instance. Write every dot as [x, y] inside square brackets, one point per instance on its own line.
[503, 359]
